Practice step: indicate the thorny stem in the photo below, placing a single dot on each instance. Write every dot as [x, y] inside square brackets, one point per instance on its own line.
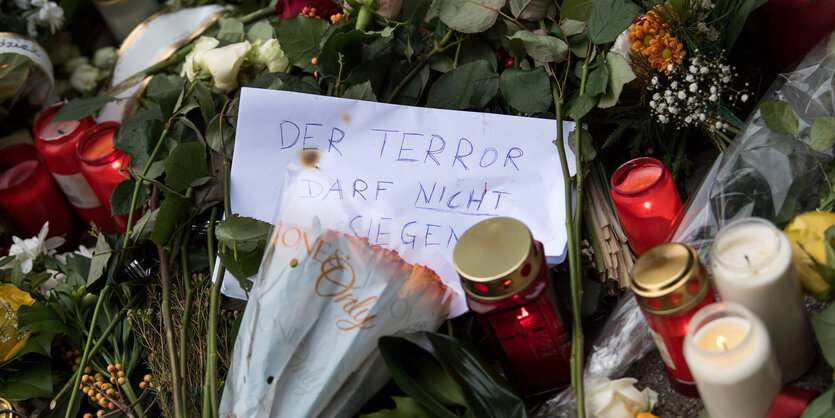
[439, 47]
[186, 308]
[176, 385]
[207, 399]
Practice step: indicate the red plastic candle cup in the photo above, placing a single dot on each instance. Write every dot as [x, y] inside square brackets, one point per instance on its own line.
[56, 143]
[103, 166]
[671, 285]
[505, 277]
[646, 201]
[30, 197]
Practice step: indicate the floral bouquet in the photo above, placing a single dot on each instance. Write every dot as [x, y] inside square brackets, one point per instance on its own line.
[307, 345]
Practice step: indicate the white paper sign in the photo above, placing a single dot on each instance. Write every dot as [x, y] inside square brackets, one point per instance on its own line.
[407, 178]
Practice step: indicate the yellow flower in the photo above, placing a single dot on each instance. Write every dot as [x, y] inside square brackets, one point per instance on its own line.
[665, 53]
[642, 34]
[10, 341]
[806, 233]
[645, 415]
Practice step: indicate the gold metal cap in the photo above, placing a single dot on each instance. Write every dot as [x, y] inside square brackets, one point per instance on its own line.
[496, 258]
[5, 405]
[669, 279]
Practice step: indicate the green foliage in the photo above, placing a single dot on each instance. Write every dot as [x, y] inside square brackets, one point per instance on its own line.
[122, 195]
[101, 255]
[172, 211]
[468, 86]
[821, 407]
[620, 73]
[14, 70]
[405, 408]
[165, 91]
[779, 117]
[576, 9]
[32, 379]
[185, 164]
[822, 133]
[80, 108]
[242, 242]
[231, 30]
[824, 325]
[138, 134]
[42, 317]
[300, 39]
[470, 16]
[609, 18]
[542, 48]
[528, 91]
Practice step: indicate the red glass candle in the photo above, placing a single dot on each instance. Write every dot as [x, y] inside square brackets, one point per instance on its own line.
[671, 286]
[504, 275]
[646, 201]
[56, 143]
[30, 196]
[103, 166]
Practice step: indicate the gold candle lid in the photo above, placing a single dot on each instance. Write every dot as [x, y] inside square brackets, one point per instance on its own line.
[669, 279]
[5, 405]
[496, 258]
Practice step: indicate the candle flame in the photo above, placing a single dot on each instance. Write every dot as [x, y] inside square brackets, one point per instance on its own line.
[647, 205]
[722, 342]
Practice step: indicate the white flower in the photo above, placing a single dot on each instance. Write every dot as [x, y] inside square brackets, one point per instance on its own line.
[74, 63]
[622, 46]
[56, 279]
[617, 398]
[224, 64]
[270, 54]
[105, 57]
[744, 98]
[682, 95]
[22, 4]
[694, 87]
[27, 250]
[194, 60]
[31, 26]
[84, 78]
[51, 15]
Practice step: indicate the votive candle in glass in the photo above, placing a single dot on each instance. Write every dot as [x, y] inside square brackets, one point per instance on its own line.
[507, 285]
[729, 353]
[30, 197]
[103, 165]
[646, 201]
[56, 143]
[751, 262]
[671, 285]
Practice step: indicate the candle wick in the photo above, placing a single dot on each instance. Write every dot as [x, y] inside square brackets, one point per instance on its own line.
[747, 260]
[61, 132]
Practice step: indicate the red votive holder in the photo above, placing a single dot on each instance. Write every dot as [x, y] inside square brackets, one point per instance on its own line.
[671, 285]
[56, 143]
[506, 281]
[646, 201]
[103, 166]
[29, 194]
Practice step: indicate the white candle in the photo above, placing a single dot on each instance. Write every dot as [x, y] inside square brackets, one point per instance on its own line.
[729, 354]
[751, 263]
[56, 130]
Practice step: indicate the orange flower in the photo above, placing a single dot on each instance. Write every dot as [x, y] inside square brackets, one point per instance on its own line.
[642, 34]
[663, 52]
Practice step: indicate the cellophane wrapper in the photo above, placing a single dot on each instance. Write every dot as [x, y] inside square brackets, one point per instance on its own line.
[762, 173]
[307, 345]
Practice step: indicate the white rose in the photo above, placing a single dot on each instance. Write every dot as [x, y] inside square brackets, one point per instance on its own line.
[224, 64]
[105, 57]
[84, 78]
[270, 54]
[192, 65]
[617, 398]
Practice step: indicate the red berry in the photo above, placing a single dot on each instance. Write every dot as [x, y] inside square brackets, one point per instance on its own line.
[499, 53]
[510, 62]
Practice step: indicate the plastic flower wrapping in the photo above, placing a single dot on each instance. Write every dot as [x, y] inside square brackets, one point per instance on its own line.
[307, 345]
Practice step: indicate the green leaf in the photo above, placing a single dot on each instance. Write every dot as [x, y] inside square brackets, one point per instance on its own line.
[242, 233]
[577, 106]
[598, 79]
[570, 27]
[620, 73]
[14, 70]
[144, 226]
[341, 52]
[138, 135]
[609, 18]
[779, 117]
[32, 380]
[542, 48]
[528, 91]
[41, 317]
[829, 241]
[586, 145]
[260, 32]
[576, 9]
[300, 39]
[532, 10]
[40, 343]
[121, 197]
[243, 264]
[17, 274]
[362, 91]
[204, 99]
[213, 138]
[231, 30]
[186, 163]
[165, 90]
[824, 325]
[101, 255]
[413, 11]
[485, 393]
[404, 408]
[172, 210]
[822, 406]
[468, 86]
[470, 16]
[80, 108]
[823, 133]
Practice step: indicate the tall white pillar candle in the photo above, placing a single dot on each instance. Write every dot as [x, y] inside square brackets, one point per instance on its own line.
[751, 264]
[729, 354]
